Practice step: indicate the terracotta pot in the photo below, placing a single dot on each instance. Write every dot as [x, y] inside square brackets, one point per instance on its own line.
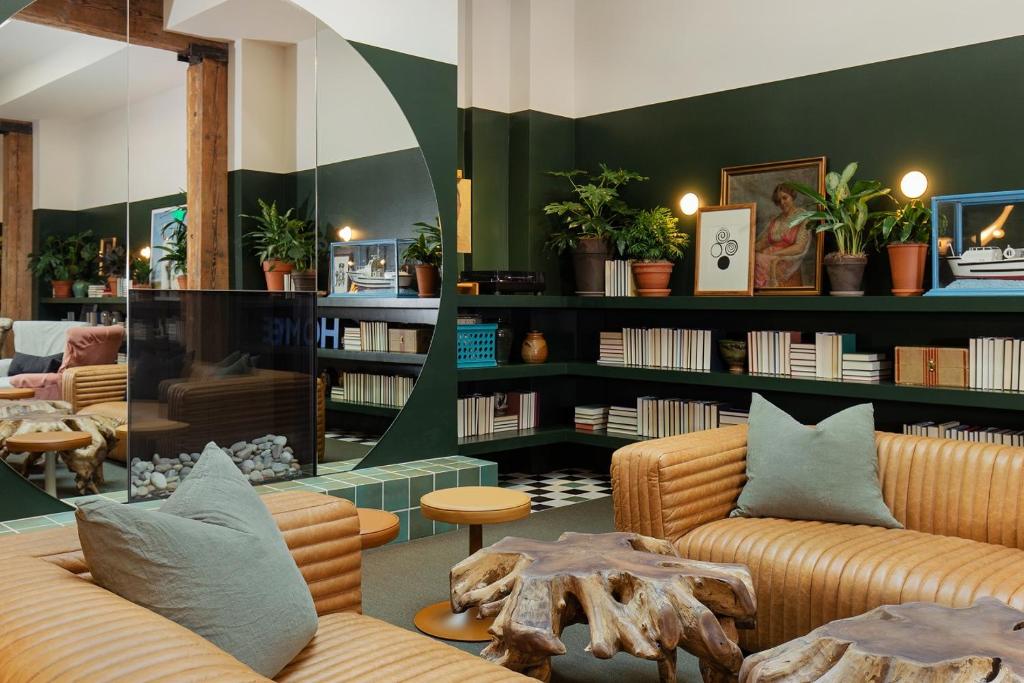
[304, 280]
[182, 281]
[428, 280]
[535, 348]
[588, 265]
[652, 277]
[112, 284]
[61, 289]
[906, 262]
[142, 285]
[274, 271]
[846, 273]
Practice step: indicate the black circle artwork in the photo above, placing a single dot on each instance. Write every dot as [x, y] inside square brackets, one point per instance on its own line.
[723, 248]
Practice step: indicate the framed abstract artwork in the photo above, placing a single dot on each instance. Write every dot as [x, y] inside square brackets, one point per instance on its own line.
[725, 255]
[787, 257]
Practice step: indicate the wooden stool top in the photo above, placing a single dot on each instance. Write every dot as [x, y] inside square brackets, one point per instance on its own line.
[115, 409]
[14, 393]
[377, 527]
[475, 505]
[42, 442]
[157, 425]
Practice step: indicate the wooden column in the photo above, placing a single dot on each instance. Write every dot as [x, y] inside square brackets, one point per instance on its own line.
[17, 284]
[207, 103]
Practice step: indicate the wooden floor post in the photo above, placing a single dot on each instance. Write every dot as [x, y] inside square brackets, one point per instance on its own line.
[207, 95]
[17, 284]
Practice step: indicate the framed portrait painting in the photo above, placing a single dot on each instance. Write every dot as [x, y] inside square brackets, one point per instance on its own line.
[725, 256]
[787, 257]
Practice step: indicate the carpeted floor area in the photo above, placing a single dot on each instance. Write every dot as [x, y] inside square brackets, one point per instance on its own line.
[399, 579]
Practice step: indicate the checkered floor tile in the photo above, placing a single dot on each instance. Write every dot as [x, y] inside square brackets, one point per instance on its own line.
[560, 488]
[353, 437]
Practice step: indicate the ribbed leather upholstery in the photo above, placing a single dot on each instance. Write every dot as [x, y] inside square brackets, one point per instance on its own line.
[88, 384]
[961, 503]
[354, 647]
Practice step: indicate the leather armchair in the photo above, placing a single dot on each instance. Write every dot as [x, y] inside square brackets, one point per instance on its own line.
[962, 505]
[86, 346]
[59, 627]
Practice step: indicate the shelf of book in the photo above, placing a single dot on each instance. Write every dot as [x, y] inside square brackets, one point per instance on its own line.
[542, 436]
[513, 371]
[867, 304]
[373, 356]
[363, 408]
[376, 302]
[86, 300]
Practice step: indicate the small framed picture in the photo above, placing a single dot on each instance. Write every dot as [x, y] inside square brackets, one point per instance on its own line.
[787, 257]
[725, 254]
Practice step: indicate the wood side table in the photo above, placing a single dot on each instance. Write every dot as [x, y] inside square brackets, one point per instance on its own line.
[48, 443]
[377, 527]
[15, 394]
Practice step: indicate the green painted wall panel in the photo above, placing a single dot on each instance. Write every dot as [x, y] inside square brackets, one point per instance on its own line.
[488, 135]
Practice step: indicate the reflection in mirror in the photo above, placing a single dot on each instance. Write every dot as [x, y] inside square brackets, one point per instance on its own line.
[378, 223]
[63, 115]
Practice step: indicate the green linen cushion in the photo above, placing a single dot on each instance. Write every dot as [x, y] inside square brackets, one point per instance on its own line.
[211, 559]
[827, 473]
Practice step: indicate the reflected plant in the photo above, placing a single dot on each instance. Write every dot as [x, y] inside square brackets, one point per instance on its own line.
[282, 237]
[175, 247]
[426, 248]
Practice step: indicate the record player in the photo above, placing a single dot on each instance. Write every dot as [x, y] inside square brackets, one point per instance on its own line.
[505, 281]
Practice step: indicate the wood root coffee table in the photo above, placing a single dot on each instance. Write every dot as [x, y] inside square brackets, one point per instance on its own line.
[636, 593]
[913, 642]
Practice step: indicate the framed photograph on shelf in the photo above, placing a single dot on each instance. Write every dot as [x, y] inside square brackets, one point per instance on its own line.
[725, 255]
[787, 258]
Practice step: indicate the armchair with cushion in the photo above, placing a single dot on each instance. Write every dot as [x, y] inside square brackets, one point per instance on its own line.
[36, 338]
[962, 506]
[57, 626]
[86, 346]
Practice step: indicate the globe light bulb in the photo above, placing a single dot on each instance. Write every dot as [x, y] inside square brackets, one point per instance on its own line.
[345, 234]
[689, 203]
[145, 253]
[913, 184]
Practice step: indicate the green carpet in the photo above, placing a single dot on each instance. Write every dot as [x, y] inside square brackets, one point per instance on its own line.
[399, 579]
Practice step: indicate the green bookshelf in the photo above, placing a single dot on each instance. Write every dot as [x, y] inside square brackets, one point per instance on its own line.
[373, 356]
[85, 300]
[513, 371]
[363, 408]
[542, 436]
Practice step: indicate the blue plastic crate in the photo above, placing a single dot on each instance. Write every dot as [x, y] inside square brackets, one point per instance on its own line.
[475, 345]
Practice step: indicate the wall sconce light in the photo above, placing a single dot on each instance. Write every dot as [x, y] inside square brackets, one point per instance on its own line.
[689, 204]
[913, 184]
[345, 234]
[145, 252]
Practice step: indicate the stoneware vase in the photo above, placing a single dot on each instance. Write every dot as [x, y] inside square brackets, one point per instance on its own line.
[80, 288]
[428, 280]
[304, 281]
[588, 265]
[652, 277]
[906, 263]
[734, 353]
[61, 289]
[274, 271]
[112, 284]
[535, 348]
[182, 281]
[846, 273]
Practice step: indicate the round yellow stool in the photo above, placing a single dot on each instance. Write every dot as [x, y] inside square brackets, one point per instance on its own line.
[473, 506]
[377, 527]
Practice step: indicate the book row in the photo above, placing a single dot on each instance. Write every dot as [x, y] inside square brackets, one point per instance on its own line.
[995, 363]
[511, 411]
[961, 432]
[359, 387]
[618, 278]
[674, 349]
[830, 356]
[373, 336]
[655, 417]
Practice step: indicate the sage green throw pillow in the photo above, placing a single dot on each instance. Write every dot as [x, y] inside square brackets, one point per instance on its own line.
[211, 559]
[827, 473]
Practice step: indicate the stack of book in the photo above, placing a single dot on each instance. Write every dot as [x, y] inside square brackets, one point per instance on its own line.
[373, 336]
[351, 339]
[962, 432]
[768, 351]
[506, 423]
[732, 416]
[674, 349]
[618, 279]
[829, 348]
[802, 360]
[96, 291]
[871, 368]
[610, 352]
[360, 387]
[996, 363]
[658, 417]
[622, 421]
[591, 418]
[481, 414]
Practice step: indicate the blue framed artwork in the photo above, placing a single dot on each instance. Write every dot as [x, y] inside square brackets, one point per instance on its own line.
[162, 277]
[978, 244]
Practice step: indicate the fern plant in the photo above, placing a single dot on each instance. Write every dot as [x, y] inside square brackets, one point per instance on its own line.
[426, 248]
[72, 257]
[597, 211]
[175, 246]
[281, 237]
[653, 235]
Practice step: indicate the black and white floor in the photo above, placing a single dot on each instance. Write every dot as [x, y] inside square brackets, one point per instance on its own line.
[559, 488]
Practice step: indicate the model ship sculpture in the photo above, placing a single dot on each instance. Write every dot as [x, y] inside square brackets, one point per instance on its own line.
[988, 263]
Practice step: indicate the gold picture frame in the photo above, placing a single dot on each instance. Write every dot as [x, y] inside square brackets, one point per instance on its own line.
[787, 260]
[728, 243]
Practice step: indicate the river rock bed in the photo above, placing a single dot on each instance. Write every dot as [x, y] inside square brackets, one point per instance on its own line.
[264, 459]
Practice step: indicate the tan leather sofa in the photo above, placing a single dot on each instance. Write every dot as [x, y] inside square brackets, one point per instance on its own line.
[962, 505]
[56, 626]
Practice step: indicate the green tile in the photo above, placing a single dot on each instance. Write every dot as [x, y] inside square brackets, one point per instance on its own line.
[63, 517]
[416, 473]
[446, 480]
[348, 493]
[403, 527]
[320, 482]
[287, 485]
[442, 527]
[388, 476]
[6, 532]
[371, 471]
[419, 526]
[30, 523]
[469, 477]
[396, 495]
[419, 487]
[357, 479]
[489, 474]
[436, 468]
[369, 496]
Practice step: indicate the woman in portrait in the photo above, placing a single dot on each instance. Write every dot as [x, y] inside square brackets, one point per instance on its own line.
[780, 249]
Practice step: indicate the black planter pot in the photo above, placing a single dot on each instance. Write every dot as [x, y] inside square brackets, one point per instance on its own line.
[588, 265]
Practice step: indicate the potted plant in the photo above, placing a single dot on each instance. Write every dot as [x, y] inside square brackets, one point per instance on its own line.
[141, 271]
[302, 256]
[905, 232]
[425, 251]
[175, 246]
[82, 252]
[275, 236]
[592, 222]
[843, 211]
[114, 262]
[654, 241]
[66, 262]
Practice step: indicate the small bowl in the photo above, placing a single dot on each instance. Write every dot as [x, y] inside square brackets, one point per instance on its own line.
[734, 353]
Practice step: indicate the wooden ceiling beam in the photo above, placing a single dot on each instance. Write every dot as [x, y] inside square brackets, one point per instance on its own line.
[11, 126]
[110, 19]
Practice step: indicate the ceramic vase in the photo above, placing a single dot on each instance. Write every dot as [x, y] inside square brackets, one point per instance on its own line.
[846, 273]
[535, 348]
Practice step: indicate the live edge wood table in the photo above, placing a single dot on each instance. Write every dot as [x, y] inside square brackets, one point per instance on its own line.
[636, 593]
[916, 642]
